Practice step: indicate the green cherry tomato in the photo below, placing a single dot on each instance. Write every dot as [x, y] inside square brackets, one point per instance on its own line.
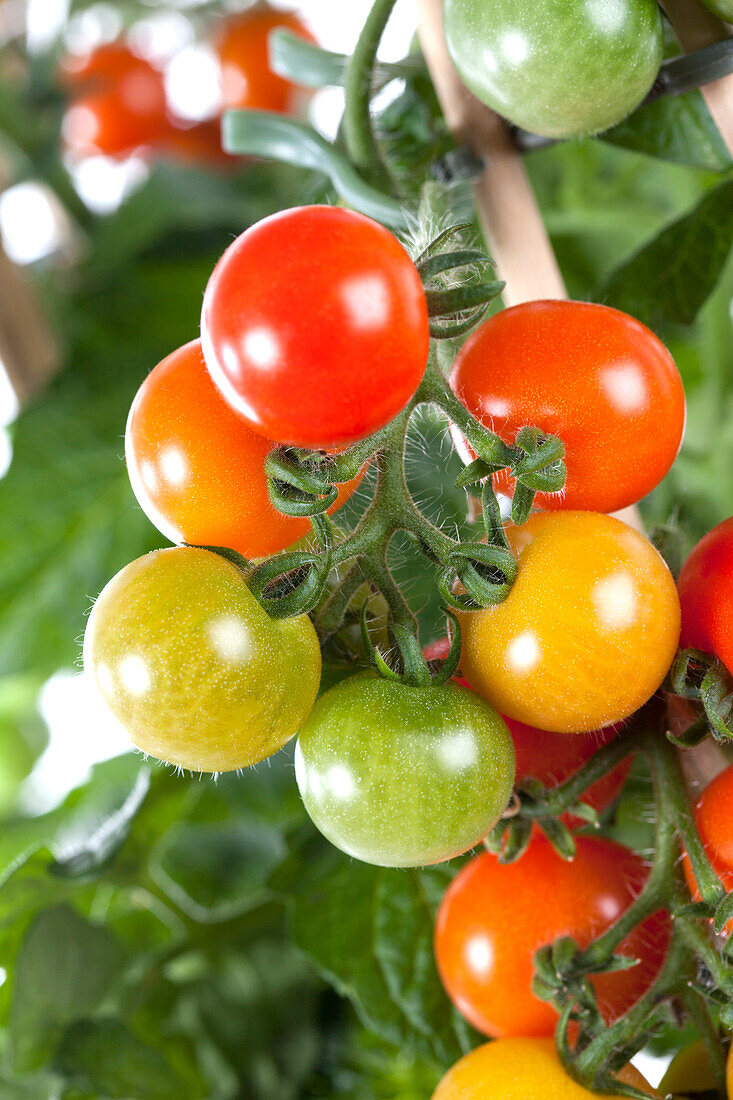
[402, 776]
[561, 68]
[198, 674]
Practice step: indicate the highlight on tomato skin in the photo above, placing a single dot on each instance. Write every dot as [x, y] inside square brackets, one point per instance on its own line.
[339, 361]
[494, 917]
[714, 820]
[594, 376]
[705, 586]
[587, 633]
[197, 468]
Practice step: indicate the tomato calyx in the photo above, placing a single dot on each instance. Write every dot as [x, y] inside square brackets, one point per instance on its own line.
[413, 668]
[455, 303]
[703, 678]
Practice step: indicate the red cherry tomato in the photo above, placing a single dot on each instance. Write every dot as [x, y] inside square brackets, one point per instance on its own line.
[121, 105]
[246, 76]
[597, 378]
[315, 326]
[196, 467]
[705, 586]
[554, 757]
[495, 916]
[200, 142]
[714, 818]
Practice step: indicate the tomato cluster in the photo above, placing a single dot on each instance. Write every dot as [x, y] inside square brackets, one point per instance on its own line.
[118, 99]
[315, 339]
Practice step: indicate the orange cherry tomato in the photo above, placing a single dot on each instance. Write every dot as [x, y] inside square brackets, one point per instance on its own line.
[714, 818]
[120, 105]
[588, 631]
[246, 77]
[597, 378]
[520, 1069]
[200, 143]
[495, 916]
[554, 757]
[197, 469]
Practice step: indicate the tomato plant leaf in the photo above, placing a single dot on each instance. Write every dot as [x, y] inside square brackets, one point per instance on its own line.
[105, 1058]
[669, 279]
[344, 916]
[675, 128]
[65, 967]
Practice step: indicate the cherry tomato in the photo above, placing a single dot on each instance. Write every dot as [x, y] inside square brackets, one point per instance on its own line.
[706, 594]
[556, 67]
[519, 1069]
[122, 105]
[246, 76]
[714, 818]
[197, 673]
[588, 631]
[402, 776]
[495, 916]
[554, 757]
[597, 378]
[690, 1071]
[197, 469]
[315, 326]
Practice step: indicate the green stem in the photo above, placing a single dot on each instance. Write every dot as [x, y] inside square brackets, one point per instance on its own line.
[559, 799]
[361, 144]
[676, 807]
[701, 1016]
[330, 614]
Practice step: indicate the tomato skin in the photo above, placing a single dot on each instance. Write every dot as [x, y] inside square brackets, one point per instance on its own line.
[518, 1069]
[197, 468]
[555, 67]
[495, 916]
[402, 776]
[120, 105]
[597, 378]
[588, 631]
[705, 586]
[189, 663]
[242, 47]
[714, 819]
[554, 757]
[341, 360]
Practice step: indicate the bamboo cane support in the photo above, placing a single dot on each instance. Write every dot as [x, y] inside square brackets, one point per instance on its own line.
[695, 27]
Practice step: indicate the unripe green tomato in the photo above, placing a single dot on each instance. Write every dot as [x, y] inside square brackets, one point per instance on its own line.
[560, 68]
[722, 8]
[403, 776]
[198, 674]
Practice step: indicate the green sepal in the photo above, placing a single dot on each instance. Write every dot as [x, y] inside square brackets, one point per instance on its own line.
[723, 913]
[449, 667]
[559, 836]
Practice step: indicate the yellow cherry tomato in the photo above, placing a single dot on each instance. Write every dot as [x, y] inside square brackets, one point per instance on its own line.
[690, 1071]
[587, 633]
[519, 1069]
[194, 669]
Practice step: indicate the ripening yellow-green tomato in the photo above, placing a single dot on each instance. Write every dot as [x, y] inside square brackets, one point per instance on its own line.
[588, 631]
[194, 669]
[518, 1069]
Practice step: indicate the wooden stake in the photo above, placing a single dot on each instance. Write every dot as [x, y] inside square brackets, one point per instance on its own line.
[27, 349]
[695, 27]
[505, 201]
